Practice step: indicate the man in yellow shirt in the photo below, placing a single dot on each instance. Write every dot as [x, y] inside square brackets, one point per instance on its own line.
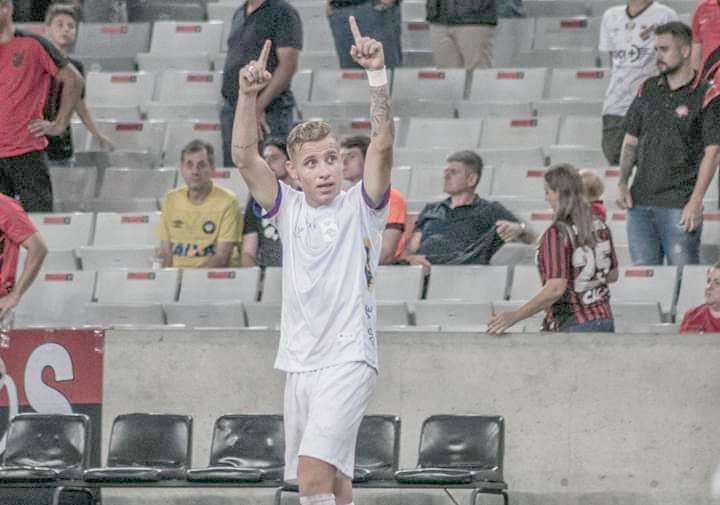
[199, 223]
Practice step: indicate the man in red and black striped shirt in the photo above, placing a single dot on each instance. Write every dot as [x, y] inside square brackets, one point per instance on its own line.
[27, 62]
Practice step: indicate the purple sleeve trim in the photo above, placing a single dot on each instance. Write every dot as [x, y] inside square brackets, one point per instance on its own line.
[257, 210]
[370, 203]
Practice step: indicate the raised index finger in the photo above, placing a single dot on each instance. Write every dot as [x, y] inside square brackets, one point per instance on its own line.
[354, 29]
[264, 54]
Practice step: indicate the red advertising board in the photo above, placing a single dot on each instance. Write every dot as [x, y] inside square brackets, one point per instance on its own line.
[52, 371]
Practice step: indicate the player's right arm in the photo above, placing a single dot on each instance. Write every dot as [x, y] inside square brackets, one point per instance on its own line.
[260, 180]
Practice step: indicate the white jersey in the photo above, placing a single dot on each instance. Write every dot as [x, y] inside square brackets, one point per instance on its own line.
[631, 43]
[330, 257]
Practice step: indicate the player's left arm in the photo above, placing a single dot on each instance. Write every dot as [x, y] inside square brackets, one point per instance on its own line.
[36, 252]
[692, 212]
[368, 53]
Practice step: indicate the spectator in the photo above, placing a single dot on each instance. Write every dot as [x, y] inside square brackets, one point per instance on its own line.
[464, 228]
[510, 8]
[576, 260]
[352, 154]
[199, 222]
[462, 33]
[379, 19]
[253, 23]
[594, 189]
[26, 64]
[706, 38]
[61, 21]
[706, 317]
[627, 33]
[673, 135]
[17, 230]
[261, 239]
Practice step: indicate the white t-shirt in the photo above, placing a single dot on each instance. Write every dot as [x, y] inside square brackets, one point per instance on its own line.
[330, 257]
[631, 42]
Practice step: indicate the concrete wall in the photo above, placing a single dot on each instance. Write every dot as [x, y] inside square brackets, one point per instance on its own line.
[589, 418]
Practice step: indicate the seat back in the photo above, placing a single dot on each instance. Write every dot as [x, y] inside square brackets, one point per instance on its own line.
[378, 445]
[519, 132]
[117, 286]
[126, 229]
[64, 231]
[73, 187]
[136, 136]
[186, 87]
[250, 441]
[180, 130]
[128, 183]
[505, 85]
[581, 131]
[130, 89]
[448, 441]
[586, 83]
[112, 40]
[443, 133]
[154, 440]
[566, 32]
[447, 85]
[343, 85]
[399, 283]
[170, 37]
[58, 441]
[469, 283]
[56, 299]
[204, 285]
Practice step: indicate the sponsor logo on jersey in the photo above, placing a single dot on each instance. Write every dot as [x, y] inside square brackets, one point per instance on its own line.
[209, 227]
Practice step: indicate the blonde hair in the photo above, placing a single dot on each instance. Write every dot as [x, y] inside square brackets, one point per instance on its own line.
[593, 183]
[307, 131]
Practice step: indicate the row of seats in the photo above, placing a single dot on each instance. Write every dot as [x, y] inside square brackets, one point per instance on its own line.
[227, 297]
[246, 449]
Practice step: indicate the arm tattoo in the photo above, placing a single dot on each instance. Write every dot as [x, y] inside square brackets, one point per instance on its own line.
[628, 158]
[380, 114]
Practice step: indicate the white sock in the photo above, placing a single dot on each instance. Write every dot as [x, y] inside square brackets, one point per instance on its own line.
[318, 499]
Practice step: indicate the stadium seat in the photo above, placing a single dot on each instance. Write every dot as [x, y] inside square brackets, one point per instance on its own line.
[158, 63]
[302, 85]
[514, 253]
[508, 85]
[622, 252]
[378, 448]
[635, 317]
[566, 32]
[321, 38]
[64, 231]
[527, 157]
[390, 314]
[711, 226]
[356, 126]
[567, 107]
[578, 156]
[399, 283]
[133, 136]
[245, 448]
[229, 178]
[425, 158]
[146, 447]
[111, 47]
[202, 285]
[178, 38]
[580, 57]
[263, 314]
[103, 257]
[647, 284]
[160, 10]
[467, 109]
[45, 447]
[203, 111]
[519, 132]
[617, 222]
[468, 283]
[452, 316]
[451, 134]
[56, 299]
[272, 286]
[334, 111]
[465, 450]
[400, 178]
[340, 85]
[521, 182]
[73, 187]
[512, 36]
[205, 315]
[56, 260]
[581, 131]
[122, 229]
[180, 132]
[122, 183]
[124, 205]
[410, 84]
[124, 286]
[582, 84]
[105, 159]
[217, 62]
[186, 87]
[525, 282]
[415, 34]
[119, 113]
[538, 8]
[124, 314]
[318, 59]
[222, 11]
[114, 89]
[692, 289]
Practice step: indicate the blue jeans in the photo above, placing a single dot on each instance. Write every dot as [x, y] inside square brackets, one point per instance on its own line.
[594, 326]
[279, 118]
[654, 234]
[383, 25]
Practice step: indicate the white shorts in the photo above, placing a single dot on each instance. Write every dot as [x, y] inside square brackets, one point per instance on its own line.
[323, 411]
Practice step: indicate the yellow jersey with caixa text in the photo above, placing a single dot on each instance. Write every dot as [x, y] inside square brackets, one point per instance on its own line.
[195, 229]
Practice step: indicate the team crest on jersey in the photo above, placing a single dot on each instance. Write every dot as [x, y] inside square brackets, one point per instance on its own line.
[17, 59]
[208, 227]
[177, 223]
[682, 111]
[328, 229]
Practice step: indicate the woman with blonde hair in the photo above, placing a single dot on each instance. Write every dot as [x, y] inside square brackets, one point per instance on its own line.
[576, 260]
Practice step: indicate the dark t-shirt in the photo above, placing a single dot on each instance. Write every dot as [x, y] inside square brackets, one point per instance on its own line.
[461, 236]
[60, 147]
[275, 20]
[673, 128]
[269, 251]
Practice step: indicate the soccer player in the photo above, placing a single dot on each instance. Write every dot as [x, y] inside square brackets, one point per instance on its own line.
[331, 246]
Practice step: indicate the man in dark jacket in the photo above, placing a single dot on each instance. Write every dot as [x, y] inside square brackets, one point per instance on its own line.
[462, 32]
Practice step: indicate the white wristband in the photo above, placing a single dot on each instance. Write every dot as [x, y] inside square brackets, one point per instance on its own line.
[377, 78]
